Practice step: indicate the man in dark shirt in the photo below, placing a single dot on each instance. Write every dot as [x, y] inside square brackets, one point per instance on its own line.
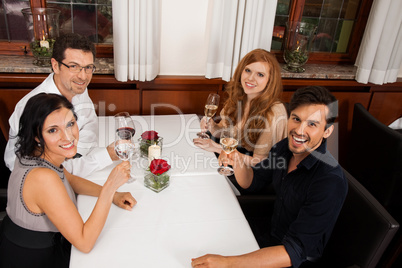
[309, 183]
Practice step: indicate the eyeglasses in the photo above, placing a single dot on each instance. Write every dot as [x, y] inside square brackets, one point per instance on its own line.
[74, 68]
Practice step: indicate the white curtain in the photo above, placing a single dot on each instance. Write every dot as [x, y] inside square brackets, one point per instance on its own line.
[380, 54]
[136, 39]
[237, 27]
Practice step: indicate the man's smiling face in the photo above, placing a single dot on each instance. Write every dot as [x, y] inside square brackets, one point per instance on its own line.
[306, 128]
[69, 83]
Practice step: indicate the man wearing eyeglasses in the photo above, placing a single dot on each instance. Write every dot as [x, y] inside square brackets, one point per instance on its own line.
[73, 66]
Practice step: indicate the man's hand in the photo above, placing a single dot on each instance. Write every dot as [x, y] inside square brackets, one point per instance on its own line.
[232, 159]
[243, 172]
[224, 159]
[211, 261]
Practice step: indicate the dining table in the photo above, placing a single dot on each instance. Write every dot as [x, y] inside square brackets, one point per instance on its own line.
[197, 214]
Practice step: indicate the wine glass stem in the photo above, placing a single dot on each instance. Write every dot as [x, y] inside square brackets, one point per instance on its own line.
[207, 124]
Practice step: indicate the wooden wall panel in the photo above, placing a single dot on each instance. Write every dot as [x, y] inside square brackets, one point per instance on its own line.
[113, 101]
[386, 106]
[161, 102]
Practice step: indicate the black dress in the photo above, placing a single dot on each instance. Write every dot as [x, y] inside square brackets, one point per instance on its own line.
[20, 247]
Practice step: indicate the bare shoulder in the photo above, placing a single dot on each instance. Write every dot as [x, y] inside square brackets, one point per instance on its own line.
[42, 185]
[43, 175]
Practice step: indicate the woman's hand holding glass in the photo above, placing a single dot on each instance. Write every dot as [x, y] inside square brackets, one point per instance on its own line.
[208, 145]
[119, 175]
[211, 106]
[124, 147]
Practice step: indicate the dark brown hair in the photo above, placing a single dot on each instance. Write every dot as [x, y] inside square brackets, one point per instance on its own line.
[74, 41]
[32, 119]
[316, 95]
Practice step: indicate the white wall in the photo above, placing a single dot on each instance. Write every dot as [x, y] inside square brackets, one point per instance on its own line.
[183, 37]
[184, 41]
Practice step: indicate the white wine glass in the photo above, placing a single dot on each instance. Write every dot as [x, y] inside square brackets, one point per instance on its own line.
[211, 106]
[229, 144]
[124, 122]
[124, 146]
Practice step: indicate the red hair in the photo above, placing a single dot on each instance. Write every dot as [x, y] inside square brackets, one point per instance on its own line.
[261, 106]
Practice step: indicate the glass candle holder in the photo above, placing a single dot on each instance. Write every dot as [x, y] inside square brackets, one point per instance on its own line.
[43, 29]
[145, 144]
[298, 39]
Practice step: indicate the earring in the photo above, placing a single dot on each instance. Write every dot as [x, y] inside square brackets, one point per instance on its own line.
[39, 144]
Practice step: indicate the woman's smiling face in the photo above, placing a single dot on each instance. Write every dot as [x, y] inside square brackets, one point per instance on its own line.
[60, 133]
[254, 78]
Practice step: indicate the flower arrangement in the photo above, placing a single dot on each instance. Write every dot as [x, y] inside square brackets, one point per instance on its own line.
[150, 135]
[42, 50]
[157, 176]
[147, 139]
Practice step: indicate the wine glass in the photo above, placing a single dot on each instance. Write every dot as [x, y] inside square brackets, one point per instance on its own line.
[211, 106]
[124, 146]
[229, 144]
[123, 121]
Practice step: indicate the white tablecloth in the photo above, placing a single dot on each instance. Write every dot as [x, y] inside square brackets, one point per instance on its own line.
[178, 132]
[197, 214]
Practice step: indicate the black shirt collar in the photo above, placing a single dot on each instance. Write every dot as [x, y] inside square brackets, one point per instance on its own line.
[319, 154]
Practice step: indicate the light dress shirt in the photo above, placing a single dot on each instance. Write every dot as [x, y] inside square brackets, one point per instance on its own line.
[93, 158]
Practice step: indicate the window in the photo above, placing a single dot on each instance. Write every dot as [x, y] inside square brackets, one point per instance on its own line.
[340, 26]
[92, 18]
[12, 22]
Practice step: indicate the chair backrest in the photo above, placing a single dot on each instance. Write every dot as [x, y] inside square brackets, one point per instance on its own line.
[375, 158]
[362, 232]
[4, 171]
[4, 175]
[4, 116]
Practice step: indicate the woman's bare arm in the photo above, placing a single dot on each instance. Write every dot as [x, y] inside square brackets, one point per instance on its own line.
[45, 192]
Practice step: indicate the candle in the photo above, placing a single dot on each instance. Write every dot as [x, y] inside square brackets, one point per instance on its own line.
[154, 152]
[298, 46]
[44, 43]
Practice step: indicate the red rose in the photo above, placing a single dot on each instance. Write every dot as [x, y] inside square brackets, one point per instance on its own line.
[150, 135]
[159, 166]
